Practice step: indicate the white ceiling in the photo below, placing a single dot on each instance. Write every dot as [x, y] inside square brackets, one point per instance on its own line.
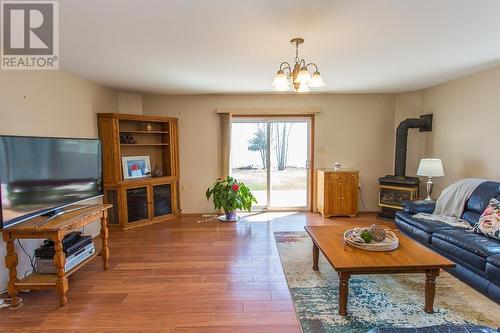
[235, 46]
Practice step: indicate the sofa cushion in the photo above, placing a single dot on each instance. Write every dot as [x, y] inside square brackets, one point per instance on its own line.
[469, 241]
[428, 226]
[494, 260]
[412, 231]
[481, 196]
[460, 255]
[493, 268]
[471, 217]
[420, 206]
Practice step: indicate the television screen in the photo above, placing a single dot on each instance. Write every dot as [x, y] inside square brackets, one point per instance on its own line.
[40, 175]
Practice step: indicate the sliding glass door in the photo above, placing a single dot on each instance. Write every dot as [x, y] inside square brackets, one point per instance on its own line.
[272, 156]
[249, 156]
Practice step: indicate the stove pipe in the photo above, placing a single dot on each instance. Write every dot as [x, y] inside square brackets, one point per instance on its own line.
[424, 124]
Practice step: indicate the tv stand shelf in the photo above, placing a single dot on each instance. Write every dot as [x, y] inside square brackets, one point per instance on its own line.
[38, 280]
[54, 228]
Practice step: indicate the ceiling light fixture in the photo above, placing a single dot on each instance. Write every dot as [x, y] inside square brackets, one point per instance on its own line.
[298, 76]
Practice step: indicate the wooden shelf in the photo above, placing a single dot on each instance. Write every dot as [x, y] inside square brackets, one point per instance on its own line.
[39, 280]
[150, 180]
[145, 132]
[143, 144]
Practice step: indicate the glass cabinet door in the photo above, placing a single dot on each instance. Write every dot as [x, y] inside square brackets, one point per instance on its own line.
[137, 204]
[162, 200]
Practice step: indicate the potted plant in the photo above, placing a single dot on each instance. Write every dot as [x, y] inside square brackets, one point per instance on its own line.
[230, 195]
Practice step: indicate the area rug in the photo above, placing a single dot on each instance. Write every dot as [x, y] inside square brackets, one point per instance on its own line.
[374, 300]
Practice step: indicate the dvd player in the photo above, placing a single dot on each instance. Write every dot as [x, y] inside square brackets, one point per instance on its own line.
[45, 265]
[72, 243]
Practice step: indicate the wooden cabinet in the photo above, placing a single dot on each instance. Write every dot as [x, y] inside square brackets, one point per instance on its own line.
[148, 202]
[145, 200]
[337, 192]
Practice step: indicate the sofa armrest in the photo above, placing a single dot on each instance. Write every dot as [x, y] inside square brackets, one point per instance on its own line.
[420, 206]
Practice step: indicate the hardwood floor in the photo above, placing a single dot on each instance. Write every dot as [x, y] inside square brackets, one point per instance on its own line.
[179, 276]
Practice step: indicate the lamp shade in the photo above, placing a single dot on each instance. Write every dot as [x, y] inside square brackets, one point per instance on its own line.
[430, 167]
[280, 79]
[303, 76]
[316, 80]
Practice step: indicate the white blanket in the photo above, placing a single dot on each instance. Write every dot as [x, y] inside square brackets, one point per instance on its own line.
[450, 204]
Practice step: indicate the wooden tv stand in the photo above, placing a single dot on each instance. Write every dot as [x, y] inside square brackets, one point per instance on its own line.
[55, 229]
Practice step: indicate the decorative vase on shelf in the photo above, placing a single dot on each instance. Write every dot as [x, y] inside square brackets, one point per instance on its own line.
[149, 128]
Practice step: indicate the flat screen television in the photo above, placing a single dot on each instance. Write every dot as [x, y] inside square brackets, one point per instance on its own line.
[42, 175]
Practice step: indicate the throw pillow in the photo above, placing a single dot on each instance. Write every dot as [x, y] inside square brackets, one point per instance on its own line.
[489, 222]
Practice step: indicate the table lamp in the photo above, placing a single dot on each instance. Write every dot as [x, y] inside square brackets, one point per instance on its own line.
[430, 167]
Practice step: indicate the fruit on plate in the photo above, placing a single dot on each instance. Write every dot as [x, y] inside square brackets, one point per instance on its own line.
[366, 235]
[378, 233]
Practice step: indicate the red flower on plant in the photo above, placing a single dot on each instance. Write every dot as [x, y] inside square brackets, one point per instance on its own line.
[235, 187]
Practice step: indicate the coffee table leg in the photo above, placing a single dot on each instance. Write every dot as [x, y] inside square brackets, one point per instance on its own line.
[315, 257]
[430, 289]
[343, 292]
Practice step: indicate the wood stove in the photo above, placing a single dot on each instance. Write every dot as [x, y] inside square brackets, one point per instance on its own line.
[397, 188]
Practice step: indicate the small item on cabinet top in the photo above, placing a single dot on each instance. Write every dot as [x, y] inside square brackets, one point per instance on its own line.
[336, 166]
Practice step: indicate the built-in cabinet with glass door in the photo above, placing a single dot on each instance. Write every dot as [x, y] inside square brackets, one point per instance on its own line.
[144, 200]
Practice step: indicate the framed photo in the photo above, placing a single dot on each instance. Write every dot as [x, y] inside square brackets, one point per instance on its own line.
[136, 167]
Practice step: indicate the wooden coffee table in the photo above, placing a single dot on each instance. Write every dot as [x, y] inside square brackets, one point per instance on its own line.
[410, 257]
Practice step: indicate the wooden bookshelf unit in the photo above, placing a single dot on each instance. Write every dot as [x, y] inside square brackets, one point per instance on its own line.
[145, 200]
[55, 229]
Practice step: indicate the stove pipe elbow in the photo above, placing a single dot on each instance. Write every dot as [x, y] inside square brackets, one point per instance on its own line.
[424, 123]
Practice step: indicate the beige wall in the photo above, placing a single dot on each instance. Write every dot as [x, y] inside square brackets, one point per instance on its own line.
[49, 103]
[129, 103]
[466, 126]
[356, 130]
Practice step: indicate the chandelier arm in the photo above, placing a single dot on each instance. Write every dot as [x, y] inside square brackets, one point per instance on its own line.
[302, 63]
[287, 66]
[312, 64]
